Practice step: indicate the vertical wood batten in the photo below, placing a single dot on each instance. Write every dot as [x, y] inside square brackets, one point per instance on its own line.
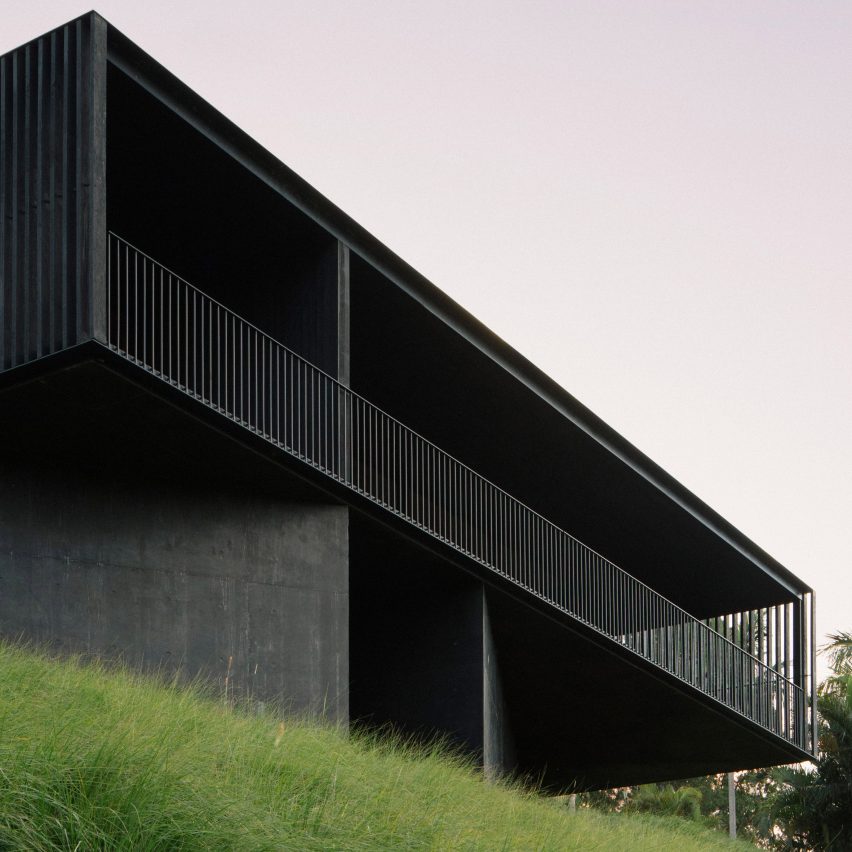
[76, 124]
[4, 218]
[50, 245]
[52, 106]
[14, 180]
[38, 246]
[30, 212]
[96, 221]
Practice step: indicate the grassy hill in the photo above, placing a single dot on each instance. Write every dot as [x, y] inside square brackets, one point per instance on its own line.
[92, 758]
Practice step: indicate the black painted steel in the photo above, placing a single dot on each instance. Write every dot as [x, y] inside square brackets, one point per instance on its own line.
[46, 194]
[752, 662]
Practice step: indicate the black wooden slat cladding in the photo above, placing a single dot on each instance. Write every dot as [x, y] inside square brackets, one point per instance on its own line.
[45, 184]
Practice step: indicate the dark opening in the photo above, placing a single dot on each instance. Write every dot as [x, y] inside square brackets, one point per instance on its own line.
[415, 639]
[180, 198]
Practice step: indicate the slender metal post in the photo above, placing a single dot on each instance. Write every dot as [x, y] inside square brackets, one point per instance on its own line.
[811, 741]
[732, 806]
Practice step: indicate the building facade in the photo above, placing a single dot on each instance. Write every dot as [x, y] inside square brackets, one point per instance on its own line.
[242, 438]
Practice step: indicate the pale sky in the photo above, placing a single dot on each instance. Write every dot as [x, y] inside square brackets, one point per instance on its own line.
[652, 201]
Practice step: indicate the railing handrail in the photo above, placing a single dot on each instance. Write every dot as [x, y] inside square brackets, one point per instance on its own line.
[682, 617]
[444, 453]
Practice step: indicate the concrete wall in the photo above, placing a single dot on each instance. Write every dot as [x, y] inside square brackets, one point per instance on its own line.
[170, 576]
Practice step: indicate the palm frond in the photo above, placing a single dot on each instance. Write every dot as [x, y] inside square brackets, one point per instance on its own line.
[838, 649]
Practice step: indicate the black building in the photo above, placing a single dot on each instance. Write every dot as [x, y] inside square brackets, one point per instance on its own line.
[241, 436]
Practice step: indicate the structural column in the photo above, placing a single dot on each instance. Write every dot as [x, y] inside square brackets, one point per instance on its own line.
[498, 753]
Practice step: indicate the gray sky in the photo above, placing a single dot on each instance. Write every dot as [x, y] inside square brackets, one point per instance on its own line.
[650, 200]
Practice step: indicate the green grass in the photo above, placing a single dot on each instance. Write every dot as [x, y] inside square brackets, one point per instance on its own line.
[94, 758]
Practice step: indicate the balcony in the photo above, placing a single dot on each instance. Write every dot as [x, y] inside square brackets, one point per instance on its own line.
[754, 663]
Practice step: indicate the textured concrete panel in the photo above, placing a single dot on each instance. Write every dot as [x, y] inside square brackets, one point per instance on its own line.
[218, 582]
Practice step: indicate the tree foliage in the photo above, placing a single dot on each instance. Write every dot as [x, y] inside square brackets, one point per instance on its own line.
[814, 809]
[666, 800]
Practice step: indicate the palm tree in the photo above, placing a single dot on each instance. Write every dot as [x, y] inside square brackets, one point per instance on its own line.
[815, 807]
[839, 652]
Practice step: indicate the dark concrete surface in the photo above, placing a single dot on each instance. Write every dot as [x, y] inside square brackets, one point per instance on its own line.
[137, 532]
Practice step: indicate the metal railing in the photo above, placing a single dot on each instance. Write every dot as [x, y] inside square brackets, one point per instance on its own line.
[755, 663]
